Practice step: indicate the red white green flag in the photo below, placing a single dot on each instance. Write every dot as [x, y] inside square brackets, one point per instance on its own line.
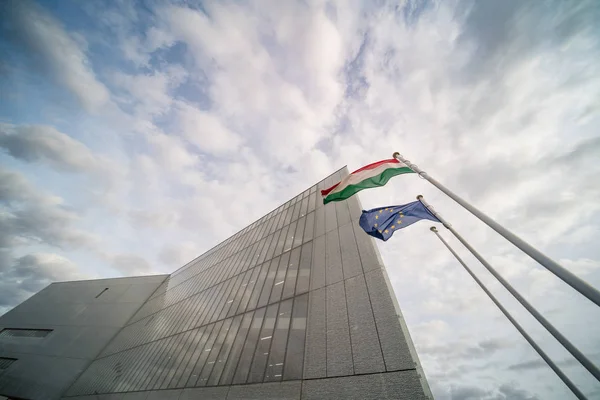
[370, 176]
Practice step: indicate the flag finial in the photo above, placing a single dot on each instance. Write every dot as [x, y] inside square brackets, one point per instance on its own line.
[433, 229]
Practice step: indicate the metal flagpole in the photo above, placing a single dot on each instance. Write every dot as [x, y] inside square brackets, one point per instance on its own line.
[549, 327]
[529, 339]
[576, 283]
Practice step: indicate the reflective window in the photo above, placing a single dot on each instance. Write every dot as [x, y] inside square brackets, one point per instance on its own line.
[281, 242]
[303, 280]
[273, 245]
[270, 278]
[296, 212]
[288, 216]
[236, 350]
[187, 351]
[241, 373]
[279, 278]
[292, 273]
[247, 290]
[30, 333]
[289, 240]
[264, 344]
[309, 228]
[312, 201]
[237, 297]
[204, 354]
[304, 207]
[299, 232]
[274, 371]
[200, 340]
[294, 360]
[214, 353]
[219, 364]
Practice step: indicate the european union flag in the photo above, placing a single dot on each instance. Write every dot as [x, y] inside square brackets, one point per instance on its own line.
[384, 221]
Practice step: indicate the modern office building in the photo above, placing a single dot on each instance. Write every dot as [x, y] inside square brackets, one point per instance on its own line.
[295, 306]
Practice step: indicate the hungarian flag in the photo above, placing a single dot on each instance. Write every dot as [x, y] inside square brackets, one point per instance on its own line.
[370, 176]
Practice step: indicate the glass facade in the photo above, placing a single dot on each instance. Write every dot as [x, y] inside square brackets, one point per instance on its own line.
[226, 317]
[289, 307]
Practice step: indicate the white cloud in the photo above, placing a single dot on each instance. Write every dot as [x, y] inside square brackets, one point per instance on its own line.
[130, 264]
[581, 266]
[206, 131]
[45, 144]
[22, 277]
[175, 256]
[150, 93]
[56, 52]
[30, 216]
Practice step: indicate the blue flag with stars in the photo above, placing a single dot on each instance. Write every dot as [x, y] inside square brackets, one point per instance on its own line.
[384, 221]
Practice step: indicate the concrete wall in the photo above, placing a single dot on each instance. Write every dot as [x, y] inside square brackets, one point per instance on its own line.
[82, 325]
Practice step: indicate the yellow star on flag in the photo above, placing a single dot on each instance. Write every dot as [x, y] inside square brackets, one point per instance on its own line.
[377, 217]
[386, 231]
[393, 226]
[375, 225]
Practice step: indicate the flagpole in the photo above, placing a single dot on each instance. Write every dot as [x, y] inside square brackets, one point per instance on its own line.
[575, 282]
[541, 319]
[529, 339]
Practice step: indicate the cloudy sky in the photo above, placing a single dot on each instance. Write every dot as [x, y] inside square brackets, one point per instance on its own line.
[135, 135]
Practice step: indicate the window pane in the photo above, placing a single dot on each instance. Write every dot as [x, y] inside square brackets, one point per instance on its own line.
[258, 285]
[292, 273]
[275, 366]
[312, 198]
[266, 291]
[243, 368]
[279, 278]
[236, 349]
[310, 227]
[333, 258]
[193, 341]
[237, 298]
[205, 353]
[294, 361]
[296, 211]
[304, 207]
[288, 216]
[319, 222]
[225, 349]
[273, 245]
[304, 269]
[229, 299]
[32, 333]
[264, 344]
[299, 232]
[247, 290]
[214, 353]
[281, 242]
[330, 217]
[174, 357]
[289, 240]
[186, 376]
